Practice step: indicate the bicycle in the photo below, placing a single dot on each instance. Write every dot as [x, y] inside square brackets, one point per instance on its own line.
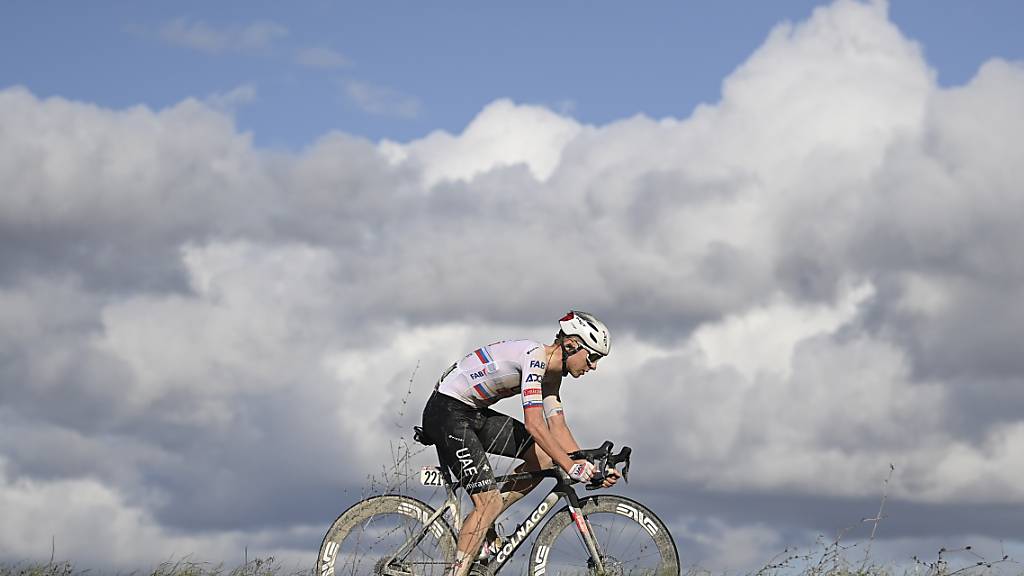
[397, 535]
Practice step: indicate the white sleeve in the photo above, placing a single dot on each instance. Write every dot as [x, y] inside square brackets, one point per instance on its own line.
[533, 374]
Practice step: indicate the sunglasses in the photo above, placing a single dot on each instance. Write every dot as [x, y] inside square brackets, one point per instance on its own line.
[592, 357]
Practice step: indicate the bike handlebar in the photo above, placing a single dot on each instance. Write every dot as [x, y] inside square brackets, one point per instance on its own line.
[602, 458]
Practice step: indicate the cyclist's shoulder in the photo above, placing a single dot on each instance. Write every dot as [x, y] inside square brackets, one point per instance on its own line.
[524, 345]
[513, 349]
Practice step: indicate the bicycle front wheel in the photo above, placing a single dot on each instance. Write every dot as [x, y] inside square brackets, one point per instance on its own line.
[629, 537]
[386, 536]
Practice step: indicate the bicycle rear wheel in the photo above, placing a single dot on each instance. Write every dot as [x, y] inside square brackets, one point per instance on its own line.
[630, 538]
[365, 539]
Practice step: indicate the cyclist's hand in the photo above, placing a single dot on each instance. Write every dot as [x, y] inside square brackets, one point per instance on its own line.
[611, 476]
[581, 471]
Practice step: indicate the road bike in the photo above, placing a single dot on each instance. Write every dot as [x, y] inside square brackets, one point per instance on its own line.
[397, 535]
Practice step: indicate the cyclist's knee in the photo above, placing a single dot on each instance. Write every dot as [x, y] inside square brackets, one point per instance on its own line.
[487, 501]
[534, 459]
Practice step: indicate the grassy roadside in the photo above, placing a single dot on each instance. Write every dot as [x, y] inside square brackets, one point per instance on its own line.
[255, 567]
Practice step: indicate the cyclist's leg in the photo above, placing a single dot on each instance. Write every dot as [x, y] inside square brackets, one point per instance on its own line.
[454, 426]
[475, 471]
[535, 459]
[502, 434]
[486, 508]
[451, 424]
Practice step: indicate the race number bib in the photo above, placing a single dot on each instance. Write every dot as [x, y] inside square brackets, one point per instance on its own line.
[431, 476]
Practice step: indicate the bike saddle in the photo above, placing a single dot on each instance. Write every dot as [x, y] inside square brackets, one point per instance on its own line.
[422, 437]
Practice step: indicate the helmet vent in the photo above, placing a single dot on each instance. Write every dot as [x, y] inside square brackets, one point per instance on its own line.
[589, 331]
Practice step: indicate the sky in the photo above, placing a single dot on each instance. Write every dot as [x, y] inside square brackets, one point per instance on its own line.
[239, 244]
[401, 70]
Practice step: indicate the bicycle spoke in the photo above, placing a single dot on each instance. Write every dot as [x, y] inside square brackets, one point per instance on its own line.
[376, 539]
[625, 546]
[648, 555]
[609, 548]
[636, 534]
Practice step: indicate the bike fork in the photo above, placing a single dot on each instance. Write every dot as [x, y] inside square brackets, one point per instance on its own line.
[583, 525]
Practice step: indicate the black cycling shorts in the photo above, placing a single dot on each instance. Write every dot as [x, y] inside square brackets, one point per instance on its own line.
[464, 435]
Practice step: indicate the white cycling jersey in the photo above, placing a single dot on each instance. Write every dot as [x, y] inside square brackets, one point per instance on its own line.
[501, 370]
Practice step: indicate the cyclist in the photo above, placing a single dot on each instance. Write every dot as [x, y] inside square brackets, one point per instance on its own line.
[459, 419]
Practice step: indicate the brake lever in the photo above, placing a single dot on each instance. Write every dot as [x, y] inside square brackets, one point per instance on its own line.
[604, 459]
[598, 482]
[624, 456]
[613, 460]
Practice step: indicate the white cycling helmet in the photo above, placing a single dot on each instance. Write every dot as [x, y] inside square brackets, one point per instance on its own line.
[591, 331]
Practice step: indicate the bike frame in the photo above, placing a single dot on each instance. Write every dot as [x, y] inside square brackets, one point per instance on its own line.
[562, 490]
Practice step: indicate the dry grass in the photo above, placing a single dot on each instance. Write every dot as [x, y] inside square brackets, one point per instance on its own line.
[834, 559]
[837, 558]
[185, 567]
[789, 565]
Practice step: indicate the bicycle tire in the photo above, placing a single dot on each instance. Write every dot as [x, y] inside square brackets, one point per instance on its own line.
[387, 522]
[650, 549]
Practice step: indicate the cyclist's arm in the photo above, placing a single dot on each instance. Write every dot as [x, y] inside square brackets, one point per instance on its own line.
[554, 414]
[556, 423]
[562, 433]
[545, 439]
[533, 409]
